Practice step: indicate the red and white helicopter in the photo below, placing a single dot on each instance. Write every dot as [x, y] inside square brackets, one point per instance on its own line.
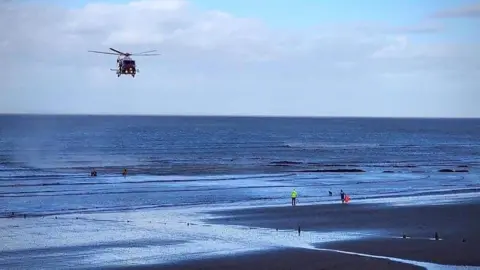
[125, 64]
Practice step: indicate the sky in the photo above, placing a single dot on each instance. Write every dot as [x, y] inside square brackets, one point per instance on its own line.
[363, 58]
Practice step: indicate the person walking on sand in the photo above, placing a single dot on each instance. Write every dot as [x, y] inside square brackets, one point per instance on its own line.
[342, 196]
[294, 197]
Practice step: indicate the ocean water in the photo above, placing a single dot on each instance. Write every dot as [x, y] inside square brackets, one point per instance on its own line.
[182, 167]
[45, 161]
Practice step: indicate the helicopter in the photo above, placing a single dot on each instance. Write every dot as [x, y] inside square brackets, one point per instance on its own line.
[125, 64]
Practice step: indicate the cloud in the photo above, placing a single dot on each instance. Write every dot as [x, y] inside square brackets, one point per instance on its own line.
[471, 11]
[216, 63]
[423, 28]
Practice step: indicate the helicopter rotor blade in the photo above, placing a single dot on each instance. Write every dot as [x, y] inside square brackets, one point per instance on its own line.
[103, 52]
[119, 52]
[150, 54]
[144, 52]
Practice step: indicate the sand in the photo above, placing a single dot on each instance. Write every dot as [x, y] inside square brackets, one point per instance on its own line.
[458, 226]
[449, 251]
[287, 259]
[454, 221]
[381, 226]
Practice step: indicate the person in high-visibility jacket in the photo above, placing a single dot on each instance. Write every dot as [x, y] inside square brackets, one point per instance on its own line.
[294, 197]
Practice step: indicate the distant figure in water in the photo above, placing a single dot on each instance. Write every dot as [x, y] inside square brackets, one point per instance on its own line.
[294, 197]
[93, 173]
[342, 196]
[124, 173]
[330, 193]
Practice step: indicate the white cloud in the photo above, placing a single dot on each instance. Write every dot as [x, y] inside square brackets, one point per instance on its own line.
[215, 63]
[470, 11]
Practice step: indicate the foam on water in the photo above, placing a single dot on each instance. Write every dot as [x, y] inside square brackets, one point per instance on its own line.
[79, 193]
[435, 199]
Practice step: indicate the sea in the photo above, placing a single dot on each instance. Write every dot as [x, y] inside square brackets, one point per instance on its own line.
[45, 161]
[54, 215]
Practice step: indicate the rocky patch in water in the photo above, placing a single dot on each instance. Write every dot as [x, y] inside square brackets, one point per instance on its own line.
[453, 171]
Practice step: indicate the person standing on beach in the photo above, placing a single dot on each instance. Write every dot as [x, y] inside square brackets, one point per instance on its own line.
[342, 196]
[294, 197]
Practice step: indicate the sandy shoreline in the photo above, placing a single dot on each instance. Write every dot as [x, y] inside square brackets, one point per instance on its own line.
[455, 221]
[458, 226]
[445, 252]
[284, 259]
[159, 239]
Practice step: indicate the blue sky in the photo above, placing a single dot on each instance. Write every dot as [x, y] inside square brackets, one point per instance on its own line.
[286, 65]
[304, 13]
[309, 13]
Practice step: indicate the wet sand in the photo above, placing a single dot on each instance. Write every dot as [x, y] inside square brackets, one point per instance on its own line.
[152, 237]
[453, 221]
[285, 260]
[448, 251]
[458, 226]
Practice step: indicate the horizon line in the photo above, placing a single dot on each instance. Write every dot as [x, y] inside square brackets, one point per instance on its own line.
[239, 116]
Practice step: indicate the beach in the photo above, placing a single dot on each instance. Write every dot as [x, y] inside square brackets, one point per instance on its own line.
[457, 225]
[214, 193]
[286, 260]
[332, 236]
[383, 228]
[455, 221]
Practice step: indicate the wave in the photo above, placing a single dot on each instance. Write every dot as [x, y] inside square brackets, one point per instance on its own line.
[325, 145]
[254, 201]
[268, 167]
[331, 145]
[53, 193]
[85, 210]
[120, 208]
[427, 193]
[103, 181]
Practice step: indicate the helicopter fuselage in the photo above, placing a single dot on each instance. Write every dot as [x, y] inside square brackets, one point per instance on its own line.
[126, 66]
